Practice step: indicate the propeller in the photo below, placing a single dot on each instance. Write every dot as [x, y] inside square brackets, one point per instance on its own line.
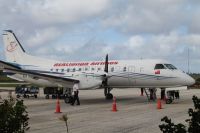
[105, 81]
[106, 64]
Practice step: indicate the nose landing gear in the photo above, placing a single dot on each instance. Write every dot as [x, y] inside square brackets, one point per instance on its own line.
[107, 93]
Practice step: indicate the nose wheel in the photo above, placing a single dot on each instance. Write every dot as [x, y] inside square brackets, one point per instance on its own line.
[109, 96]
[107, 93]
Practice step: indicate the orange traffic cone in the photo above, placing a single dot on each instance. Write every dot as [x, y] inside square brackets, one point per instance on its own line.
[114, 105]
[58, 106]
[159, 106]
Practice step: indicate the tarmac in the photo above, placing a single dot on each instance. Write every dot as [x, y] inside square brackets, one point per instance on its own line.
[135, 114]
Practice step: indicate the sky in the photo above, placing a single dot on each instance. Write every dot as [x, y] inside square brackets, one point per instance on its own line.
[81, 30]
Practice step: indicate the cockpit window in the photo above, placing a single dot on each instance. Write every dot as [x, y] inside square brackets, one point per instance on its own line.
[159, 66]
[170, 66]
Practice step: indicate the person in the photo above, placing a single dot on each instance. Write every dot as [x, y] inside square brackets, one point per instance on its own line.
[177, 94]
[25, 89]
[163, 93]
[75, 91]
[142, 91]
[152, 93]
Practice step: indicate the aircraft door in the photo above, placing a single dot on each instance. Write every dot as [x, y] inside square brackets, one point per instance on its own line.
[131, 71]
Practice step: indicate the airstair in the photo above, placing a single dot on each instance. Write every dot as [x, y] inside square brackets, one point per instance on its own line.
[150, 93]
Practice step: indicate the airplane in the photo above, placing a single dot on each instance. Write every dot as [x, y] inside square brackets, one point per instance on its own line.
[108, 74]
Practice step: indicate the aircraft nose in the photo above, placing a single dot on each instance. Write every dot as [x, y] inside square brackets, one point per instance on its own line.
[190, 80]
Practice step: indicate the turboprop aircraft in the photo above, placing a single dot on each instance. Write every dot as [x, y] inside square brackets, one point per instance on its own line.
[106, 74]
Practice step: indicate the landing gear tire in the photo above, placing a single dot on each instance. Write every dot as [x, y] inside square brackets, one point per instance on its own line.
[109, 96]
[169, 101]
[53, 96]
[18, 96]
[68, 99]
[47, 97]
[107, 93]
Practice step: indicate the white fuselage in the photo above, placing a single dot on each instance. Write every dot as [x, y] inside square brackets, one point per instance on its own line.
[123, 73]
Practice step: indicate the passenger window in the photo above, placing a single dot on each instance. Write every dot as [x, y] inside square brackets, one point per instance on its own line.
[79, 69]
[51, 69]
[112, 69]
[131, 68]
[68, 69]
[93, 69]
[141, 69]
[62, 70]
[74, 69]
[99, 69]
[159, 66]
[87, 68]
[117, 68]
[124, 69]
[56, 70]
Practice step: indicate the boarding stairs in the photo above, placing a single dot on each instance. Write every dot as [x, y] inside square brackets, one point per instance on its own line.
[149, 92]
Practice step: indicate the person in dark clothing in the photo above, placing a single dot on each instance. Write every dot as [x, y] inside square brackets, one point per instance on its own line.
[76, 97]
[162, 93]
[177, 94]
[142, 91]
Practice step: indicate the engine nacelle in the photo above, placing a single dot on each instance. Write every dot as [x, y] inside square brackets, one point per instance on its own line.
[89, 81]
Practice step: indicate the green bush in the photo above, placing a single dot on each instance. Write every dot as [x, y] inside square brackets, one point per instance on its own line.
[13, 117]
[193, 121]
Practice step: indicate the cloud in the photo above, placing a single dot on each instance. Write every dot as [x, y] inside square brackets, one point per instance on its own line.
[137, 46]
[135, 42]
[66, 11]
[147, 16]
[89, 29]
[43, 37]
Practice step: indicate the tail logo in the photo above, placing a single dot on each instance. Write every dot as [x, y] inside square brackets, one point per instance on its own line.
[12, 47]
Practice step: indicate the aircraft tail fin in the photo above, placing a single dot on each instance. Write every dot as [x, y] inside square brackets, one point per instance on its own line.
[14, 51]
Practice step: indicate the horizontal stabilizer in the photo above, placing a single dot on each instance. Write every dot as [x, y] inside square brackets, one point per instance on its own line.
[5, 65]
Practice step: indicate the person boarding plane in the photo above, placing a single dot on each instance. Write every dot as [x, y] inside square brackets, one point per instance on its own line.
[108, 74]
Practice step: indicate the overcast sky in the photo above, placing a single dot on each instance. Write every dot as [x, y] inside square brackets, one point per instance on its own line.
[89, 29]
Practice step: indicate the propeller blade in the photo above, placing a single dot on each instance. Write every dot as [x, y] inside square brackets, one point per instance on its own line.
[105, 81]
[106, 64]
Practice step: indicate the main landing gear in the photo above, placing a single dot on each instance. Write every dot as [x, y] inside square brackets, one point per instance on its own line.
[107, 93]
[68, 96]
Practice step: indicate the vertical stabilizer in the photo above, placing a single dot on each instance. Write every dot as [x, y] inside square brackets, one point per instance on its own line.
[14, 52]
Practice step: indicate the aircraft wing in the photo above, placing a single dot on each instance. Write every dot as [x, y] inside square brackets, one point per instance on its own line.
[8, 67]
[35, 75]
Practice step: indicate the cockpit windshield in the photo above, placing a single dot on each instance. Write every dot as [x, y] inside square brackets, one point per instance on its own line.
[170, 66]
[160, 66]
[165, 66]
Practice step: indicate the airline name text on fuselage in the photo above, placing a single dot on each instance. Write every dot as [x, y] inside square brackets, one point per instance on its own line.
[84, 64]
